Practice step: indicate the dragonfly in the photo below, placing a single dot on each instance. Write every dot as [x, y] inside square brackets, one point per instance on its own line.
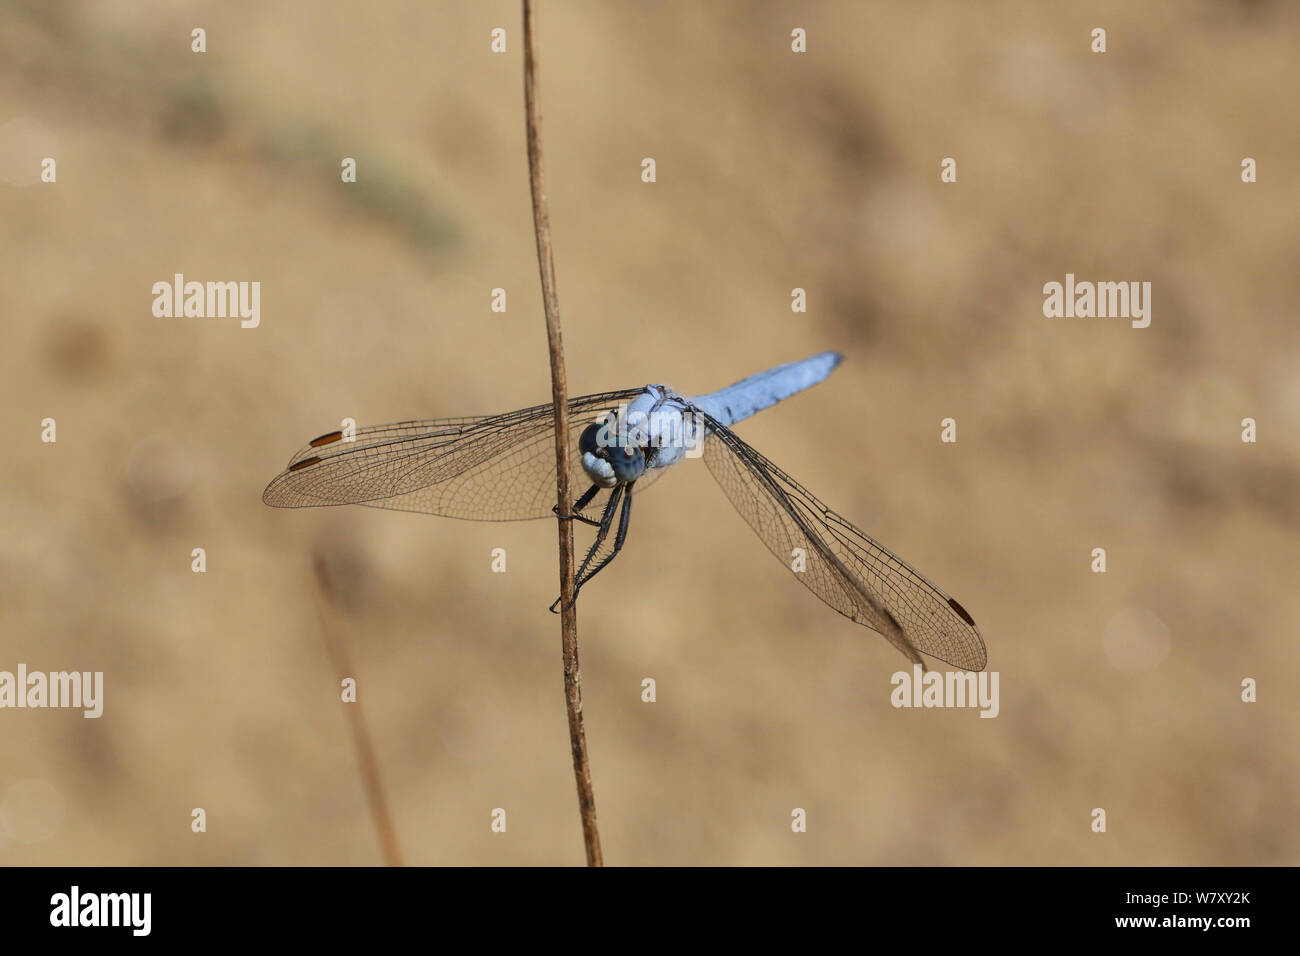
[502, 468]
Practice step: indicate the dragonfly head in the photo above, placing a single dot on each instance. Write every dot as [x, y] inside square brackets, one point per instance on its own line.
[610, 457]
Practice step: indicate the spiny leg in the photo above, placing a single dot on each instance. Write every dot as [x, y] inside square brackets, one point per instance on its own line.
[578, 506]
[605, 521]
[623, 519]
[583, 575]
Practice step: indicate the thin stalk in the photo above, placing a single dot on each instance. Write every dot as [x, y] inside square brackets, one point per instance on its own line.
[371, 779]
[560, 399]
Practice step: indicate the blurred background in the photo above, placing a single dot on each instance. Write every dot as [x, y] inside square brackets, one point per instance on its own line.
[775, 170]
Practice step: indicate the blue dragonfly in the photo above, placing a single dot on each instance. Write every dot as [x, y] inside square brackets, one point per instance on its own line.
[502, 468]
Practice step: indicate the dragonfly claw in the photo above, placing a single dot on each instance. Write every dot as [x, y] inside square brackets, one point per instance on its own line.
[556, 604]
[555, 510]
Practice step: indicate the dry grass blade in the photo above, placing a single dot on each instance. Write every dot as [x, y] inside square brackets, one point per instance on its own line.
[559, 397]
[370, 776]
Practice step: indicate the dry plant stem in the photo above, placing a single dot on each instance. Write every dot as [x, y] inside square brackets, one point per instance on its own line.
[370, 776]
[560, 400]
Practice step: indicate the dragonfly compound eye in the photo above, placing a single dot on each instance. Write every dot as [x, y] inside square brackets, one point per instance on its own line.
[630, 465]
[587, 441]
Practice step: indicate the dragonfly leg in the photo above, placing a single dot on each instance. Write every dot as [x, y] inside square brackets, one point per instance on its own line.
[606, 522]
[623, 519]
[578, 506]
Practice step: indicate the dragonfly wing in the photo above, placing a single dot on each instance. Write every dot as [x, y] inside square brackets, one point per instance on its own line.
[485, 468]
[848, 570]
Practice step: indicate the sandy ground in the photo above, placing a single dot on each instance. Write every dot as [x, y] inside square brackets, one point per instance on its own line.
[1119, 691]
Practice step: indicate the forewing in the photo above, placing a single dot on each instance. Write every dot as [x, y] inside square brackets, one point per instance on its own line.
[485, 468]
[848, 570]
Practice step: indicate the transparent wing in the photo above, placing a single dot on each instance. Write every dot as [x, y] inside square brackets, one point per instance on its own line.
[484, 468]
[855, 575]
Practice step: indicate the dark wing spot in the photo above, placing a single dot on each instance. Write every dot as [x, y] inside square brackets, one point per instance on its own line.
[299, 465]
[326, 439]
[961, 612]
